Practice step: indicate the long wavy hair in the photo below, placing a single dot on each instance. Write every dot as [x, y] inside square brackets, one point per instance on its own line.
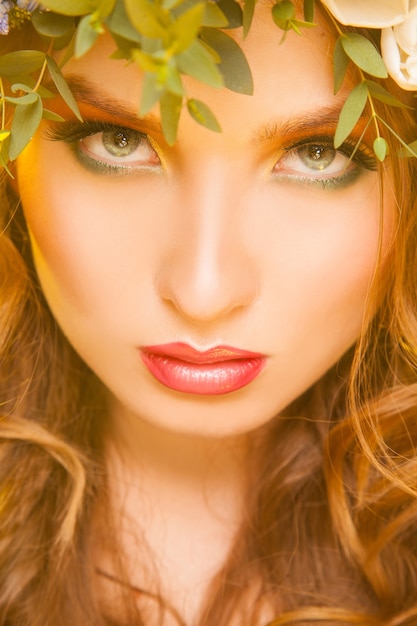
[330, 537]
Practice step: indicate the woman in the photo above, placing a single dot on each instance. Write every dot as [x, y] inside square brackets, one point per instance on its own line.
[208, 369]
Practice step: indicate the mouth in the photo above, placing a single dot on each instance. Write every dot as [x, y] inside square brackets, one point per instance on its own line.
[217, 371]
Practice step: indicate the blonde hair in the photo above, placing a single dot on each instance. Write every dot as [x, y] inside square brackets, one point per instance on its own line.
[331, 533]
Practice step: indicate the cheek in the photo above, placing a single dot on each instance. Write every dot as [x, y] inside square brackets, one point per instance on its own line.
[321, 255]
[88, 240]
[67, 254]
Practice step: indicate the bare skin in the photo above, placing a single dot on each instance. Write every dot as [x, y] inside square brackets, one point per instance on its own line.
[227, 238]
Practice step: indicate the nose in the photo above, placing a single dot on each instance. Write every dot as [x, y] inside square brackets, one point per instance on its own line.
[208, 272]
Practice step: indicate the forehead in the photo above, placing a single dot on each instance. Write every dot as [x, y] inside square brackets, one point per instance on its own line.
[290, 78]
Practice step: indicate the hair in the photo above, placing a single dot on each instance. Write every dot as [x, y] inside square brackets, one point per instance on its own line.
[331, 531]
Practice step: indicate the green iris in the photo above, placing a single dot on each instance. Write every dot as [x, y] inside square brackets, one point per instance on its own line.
[121, 142]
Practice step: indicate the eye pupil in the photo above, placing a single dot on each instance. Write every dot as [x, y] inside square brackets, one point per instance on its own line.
[121, 140]
[316, 156]
[121, 143]
[316, 152]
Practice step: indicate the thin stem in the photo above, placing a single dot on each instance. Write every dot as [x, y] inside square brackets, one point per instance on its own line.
[3, 105]
[402, 142]
[43, 69]
[359, 142]
[374, 116]
[333, 20]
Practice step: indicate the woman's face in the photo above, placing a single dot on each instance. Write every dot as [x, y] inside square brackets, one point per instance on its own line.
[255, 246]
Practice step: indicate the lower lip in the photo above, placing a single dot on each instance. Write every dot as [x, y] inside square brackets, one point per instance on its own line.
[207, 379]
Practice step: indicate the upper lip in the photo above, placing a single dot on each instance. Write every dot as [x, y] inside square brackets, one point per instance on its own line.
[185, 352]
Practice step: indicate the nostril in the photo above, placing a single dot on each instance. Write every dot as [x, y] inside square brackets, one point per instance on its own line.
[205, 289]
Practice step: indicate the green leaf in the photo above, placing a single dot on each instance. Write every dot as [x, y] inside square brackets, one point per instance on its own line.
[105, 7]
[380, 148]
[123, 50]
[409, 151]
[309, 10]
[156, 48]
[203, 115]
[119, 24]
[364, 54]
[233, 66]
[4, 134]
[146, 62]
[151, 92]
[25, 123]
[52, 116]
[197, 61]
[380, 93]
[214, 16]
[340, 65]
[50, 24]
[4, 157]
[146, 18]
[29, 98]
[96, 23]
[21, 62]
[59, 43]
[173, 80]
[70, 7]
[170, 107]
[283, 11]
[29, 86]
[20, 87]
[66, 44]
[248, 13]
[233, 12]
[185, 29]
[86, 36]
[63, 89]
[296, 25]
[170, 4]
[350, 113]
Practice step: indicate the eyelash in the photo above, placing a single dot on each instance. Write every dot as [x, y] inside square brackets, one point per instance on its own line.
[360, 156]
[72, 133]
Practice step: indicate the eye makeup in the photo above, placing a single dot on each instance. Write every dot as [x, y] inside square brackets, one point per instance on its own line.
[107, 149]
[110, 149]
[313, 161]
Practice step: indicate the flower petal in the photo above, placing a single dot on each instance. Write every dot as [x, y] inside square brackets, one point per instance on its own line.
[369, 14]
[397, 68]
[406, 33]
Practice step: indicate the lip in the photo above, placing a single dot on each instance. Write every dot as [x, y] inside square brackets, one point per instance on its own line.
[219, 370]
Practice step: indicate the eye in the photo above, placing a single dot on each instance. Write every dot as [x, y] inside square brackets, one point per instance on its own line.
[314, 160]
[319, 163]
[120, 147]
[107, 149]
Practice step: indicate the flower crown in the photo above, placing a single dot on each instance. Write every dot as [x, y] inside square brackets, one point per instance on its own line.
[171, 38]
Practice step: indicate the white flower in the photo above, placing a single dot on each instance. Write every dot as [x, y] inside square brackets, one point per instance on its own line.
[399, 50]
[398, 21]
[369, 13]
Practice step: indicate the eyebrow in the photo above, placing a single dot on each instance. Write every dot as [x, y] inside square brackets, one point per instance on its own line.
[91, 94]
[323, 121]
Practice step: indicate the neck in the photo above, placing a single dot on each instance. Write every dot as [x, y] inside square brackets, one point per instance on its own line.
[149, 453]
[184, 495]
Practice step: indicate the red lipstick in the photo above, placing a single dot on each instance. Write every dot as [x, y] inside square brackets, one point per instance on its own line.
[220, 370]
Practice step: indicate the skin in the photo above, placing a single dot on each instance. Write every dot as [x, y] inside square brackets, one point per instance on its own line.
[209, 249]
[215, 245]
